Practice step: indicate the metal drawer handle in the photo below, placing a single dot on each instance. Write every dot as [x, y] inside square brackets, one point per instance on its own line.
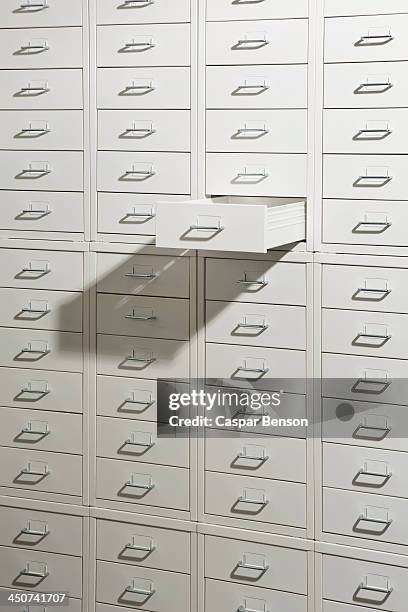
[133, 130]
[384, 337]
[35, 212]
[386, 591]
[148, 44]
[29, 530]
[35, 131]
[375, 177]
[367, 519]
[40, 573]
[250, 43]
[208, 228]
[247, 1]
[42, 428]
[147, 360]
[35, 47]
[132, 482]
[135, 317]
[39, 271]
[32, 471]
[39, 311]
[365, 472]
[41, 392]
[131, 588]
[260, 326]
[381, 225]
[148, 88]
[35, 6]
[245, 174]
[261, 283]
[383, 292]
[384, 84]
[261, 87]
[384, 430]
[132, 546]
[137, 3]
[139, 174]
[34, 172]
[30, 350]
[247, 607]
[386, 132]
[134, 215]
[140, 274]
[253, 370]
[132, 440]
[132, 400]
[35, 91]
[248, 130]
[375, 38]
[246, 499]
[243, 455]
[253, 566]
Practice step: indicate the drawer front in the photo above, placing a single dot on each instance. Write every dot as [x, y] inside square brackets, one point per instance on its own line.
[225, 10]
[365, 516]
[41, 269]
[246, 42]
[365, 288]
[366, 379]
[28, 470]
[40, 14]
[143, 316]
[42, 531]
[144, 130]
[365, 131]
[276, 502]
[144, 12]
[224, 596]
[256, 325]
[39, 170]
[366, 85]
[343, 577]
[33, 309]
[367, 470]
[40, 89]
[140, 442]
[361, 424]
[351, 176]
[144, 484]
[149, 88]
[260, 175]
[64, 572]
[143, 546]
[142, 357]
[144, 172]
[286, 567]
[48, 212]
[246, 454]
[56, 391]
[41, 48]
[113, 580]
[38, 430]
[234, 87]
[365, 333]
[349, 40]
[251, 131]
[51, 130]
[256, 281]
[254, 367]
[143, 275]
[41, 350]
[144, 45]
[367, 222]
[363, 7]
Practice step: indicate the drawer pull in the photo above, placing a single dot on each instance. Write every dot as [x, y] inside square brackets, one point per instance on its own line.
[34, 132]
[253, 366]
[140, 547]
[143, 360]
[257, 174]
[35, 270]
[259, 326]
[134, 483]
[135, 439]
[372, 133]
[137, 3]
[36, 46]
[137, 45]
[373, 430]
[250, 89]
[34, 308]
[134, 215]
[259, 283]
[31, 469]
[36, 349]
[384, 337]
[34, 90]
[247, 1]
[254, 132]
[33, 6]
[376, 226]
[137, 175]
[207, 228]
[372, 291]
[382, 523]
[246, 43]
[138, 590]
[253, 605]
[135, 317]
[35, 570]
[36, 390]
[36, 528]
[375, 39]
[146, 403]
[374, 87]
[371, 472]
[36, 428]
[253, 497]
[375, 588]
[135, 132]
[249, 561]
[135, 89]
[249, 453]
[34, 173]
[379, 180]
[134, 274]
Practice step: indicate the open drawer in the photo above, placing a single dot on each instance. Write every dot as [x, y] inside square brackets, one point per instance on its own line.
[251, 225]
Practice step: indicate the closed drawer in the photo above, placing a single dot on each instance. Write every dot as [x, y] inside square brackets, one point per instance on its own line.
[367, 222]
[143, 275]
[225, 10]
[285, 568]
[361, 469]
[39, 170]
[365, 131]
[144, 130]
[146, 589]
[246, 454]
[145, 484]
[249, 131]
[62, 573]
[34, 130]
[246, 42]
[41, 269]
[258, 175]
[367, 516]
[349, 581]
[144, 45]
[374, 85]
[365, 288]
[140, 441]
[220, 223]
[143, 316]
[28, 470]
[48, 212]
[253, 367]
[41, 350]
[41, 48]
[144, 172]
[363, 7]
[41, 13]
[143, 546]
[265, 282]
[352, 176]
[143, 12]
[57, 391]
[252, 87]
[149, 88]
[33, 309]
[40, 89]
[361, 424]
[366, 379]
[43, 531]
[225, 596]
[256, 325]
[366, 39]
[38, 430]
[365, 333]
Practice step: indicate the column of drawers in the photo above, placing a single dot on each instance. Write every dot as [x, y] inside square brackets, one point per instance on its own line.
[41, 119]
[144, 119]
